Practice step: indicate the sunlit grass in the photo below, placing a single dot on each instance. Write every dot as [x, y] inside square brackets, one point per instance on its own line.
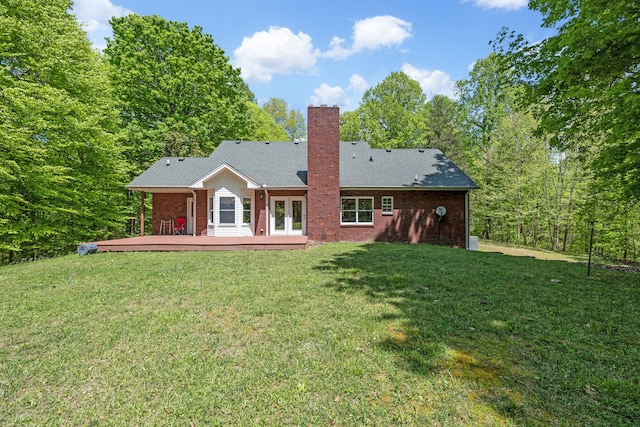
[341, 334]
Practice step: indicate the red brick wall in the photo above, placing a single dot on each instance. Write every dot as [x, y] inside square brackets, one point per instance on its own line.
[201, 212]
[260, 213]
[323, 178]
[174, 205]
[414, 219]
[167, 206]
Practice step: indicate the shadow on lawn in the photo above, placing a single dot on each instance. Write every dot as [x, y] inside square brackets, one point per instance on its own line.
[504, 326]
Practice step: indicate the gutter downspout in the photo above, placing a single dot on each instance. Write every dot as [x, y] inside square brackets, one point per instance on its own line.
[194, 212]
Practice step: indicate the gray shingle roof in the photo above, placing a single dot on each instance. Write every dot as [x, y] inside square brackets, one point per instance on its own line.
[284, 165]
[172, 172]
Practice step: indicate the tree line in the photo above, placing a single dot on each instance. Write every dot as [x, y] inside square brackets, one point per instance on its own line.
[535, 190]
[548, 130]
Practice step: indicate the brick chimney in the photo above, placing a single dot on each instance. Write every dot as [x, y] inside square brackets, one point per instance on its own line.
[323, 173]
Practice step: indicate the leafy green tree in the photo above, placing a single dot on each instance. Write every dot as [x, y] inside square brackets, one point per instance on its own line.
[263, 127]
[292, 121]
[484, 101]
[584, 81]
[350, 129]
[441, 119]
[391, 114]
[176, 90]
[61, 172]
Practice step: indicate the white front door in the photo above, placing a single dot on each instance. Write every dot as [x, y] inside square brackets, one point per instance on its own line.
[288, 216]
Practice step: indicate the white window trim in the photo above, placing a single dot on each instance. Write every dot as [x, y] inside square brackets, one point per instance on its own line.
[211, 218]
[357, 198]
[250, 210]
[235, 211]
[386, 212]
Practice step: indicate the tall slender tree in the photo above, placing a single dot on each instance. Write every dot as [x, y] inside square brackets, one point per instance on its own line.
[441, 120]
[483, 99]
[292, 121]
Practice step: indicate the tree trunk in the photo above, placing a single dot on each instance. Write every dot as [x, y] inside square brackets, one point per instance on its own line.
[486, 234]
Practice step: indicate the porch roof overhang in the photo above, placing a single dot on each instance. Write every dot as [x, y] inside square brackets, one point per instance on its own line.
[158, 189]
[404, 188]
[200, 183]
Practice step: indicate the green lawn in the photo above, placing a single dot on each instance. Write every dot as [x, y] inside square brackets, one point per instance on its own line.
[341, 334]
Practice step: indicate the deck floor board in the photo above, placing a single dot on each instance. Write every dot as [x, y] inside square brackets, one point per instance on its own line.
[201, 243]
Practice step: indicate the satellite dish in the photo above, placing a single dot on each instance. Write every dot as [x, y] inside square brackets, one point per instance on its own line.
[440, 211]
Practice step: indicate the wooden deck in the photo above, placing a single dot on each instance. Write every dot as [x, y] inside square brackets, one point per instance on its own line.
[202, 243]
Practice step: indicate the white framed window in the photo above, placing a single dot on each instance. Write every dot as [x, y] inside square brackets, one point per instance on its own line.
[246, 210]
[387, 205]
[227, 210]
[211, 211]
[356, 210]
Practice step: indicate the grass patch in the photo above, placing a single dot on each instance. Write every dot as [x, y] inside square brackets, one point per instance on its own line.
[514, 250]
[341, 334]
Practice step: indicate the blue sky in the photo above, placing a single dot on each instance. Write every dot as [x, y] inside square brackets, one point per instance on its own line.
[330, 52]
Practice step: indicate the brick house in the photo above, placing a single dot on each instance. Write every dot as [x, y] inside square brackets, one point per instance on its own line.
[325, 189]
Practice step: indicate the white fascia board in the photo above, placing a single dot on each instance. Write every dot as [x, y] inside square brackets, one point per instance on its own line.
[157, 189]
[199, 184]
[404, 188]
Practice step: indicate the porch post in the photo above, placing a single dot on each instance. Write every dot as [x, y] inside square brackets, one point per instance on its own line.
[194, 212]
[142, 213]
[266, 210]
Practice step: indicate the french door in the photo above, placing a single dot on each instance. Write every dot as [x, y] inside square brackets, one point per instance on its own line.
[288, 216]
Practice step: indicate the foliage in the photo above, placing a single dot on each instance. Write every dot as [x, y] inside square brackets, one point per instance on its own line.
[615, 219]
[292, 121]
[391, 115]
[584, 81]
[485, 100]
[441, 119]
[263, 127]
[340, 334]
[177, 92]
[60, 164]
[530, 190]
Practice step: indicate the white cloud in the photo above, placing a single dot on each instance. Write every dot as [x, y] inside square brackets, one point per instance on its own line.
[370, 34]
[329, 95]
[277, 51]
[499, 4]
[432, 82]
[95, 16]
[358, 84]
[336, 50]
[380, 31]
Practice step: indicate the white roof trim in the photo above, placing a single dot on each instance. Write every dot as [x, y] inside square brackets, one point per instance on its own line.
[200, 183]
